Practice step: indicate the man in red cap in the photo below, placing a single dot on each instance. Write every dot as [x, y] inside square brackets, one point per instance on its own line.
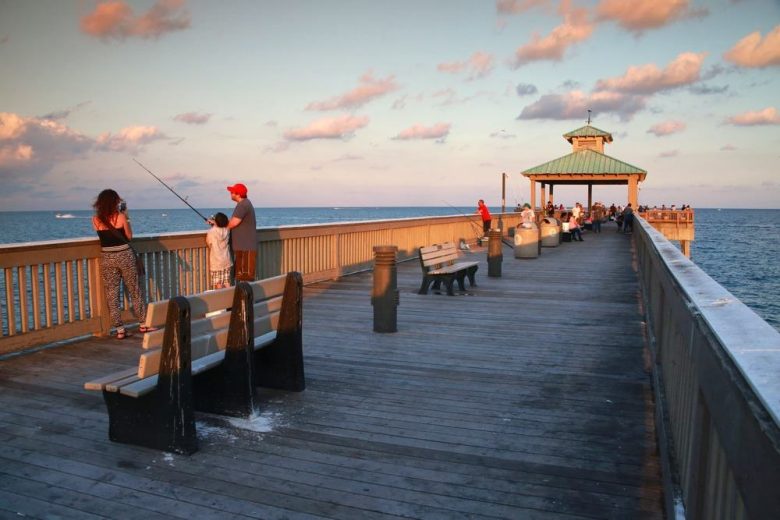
[243, 233]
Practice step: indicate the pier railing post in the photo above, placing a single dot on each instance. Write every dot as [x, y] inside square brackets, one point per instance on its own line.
[495, 253]
[385, 297]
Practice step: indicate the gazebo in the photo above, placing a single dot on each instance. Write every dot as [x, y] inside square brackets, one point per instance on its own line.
[586, 165]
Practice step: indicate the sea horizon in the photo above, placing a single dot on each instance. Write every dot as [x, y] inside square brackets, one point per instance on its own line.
[734, 246]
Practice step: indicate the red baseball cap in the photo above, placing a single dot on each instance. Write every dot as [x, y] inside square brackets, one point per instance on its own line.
[239, 189]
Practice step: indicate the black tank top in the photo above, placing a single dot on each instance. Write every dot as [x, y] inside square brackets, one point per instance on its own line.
[113, 240]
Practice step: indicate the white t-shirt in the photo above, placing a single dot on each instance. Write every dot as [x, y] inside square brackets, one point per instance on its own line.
[219, 254]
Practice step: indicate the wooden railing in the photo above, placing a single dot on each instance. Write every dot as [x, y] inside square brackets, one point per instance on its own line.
[715, 367]
[52, 291]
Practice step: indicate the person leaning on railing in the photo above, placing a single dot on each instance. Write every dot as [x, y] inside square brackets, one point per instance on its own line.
[117, 258]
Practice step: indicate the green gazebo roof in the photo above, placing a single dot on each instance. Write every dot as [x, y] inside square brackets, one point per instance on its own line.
[585, 162]
[588, 131]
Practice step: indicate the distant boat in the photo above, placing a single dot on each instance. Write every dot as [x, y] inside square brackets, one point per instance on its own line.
[64, 215]
[163, 214]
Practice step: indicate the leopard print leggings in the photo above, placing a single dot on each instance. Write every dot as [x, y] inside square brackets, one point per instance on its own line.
[116, 266]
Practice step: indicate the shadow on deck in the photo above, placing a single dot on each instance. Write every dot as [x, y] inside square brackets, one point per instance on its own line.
[526, 397]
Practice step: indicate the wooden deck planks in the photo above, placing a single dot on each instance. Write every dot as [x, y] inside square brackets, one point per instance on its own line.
[527, 396]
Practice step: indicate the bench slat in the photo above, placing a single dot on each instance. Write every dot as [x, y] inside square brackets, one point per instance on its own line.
[210, 323]
[100, 383]
[144, 386]
[204, 345]
[218, 299]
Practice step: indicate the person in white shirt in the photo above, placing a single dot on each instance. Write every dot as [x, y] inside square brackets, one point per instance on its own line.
[217, 241]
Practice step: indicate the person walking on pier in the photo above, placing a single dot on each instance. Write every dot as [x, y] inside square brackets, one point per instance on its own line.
[485, 214]
[243, 228]
[628, 219]
[574, 228]
[117, 259]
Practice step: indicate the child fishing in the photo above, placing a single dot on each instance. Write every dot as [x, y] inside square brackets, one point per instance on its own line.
[220, 262]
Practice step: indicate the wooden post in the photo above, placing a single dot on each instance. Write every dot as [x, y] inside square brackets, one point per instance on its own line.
[552, 200]
[544, 198]
[590, 198]
[632, 191]
[533, 194]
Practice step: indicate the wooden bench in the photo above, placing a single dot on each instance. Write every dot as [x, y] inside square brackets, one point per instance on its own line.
[214, 350]
[440, 264]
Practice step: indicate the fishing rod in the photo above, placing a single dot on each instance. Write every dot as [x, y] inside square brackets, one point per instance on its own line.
[171, 189]
[473, 223]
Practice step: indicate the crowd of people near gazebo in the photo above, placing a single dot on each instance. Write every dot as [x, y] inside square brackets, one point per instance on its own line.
[577, 218]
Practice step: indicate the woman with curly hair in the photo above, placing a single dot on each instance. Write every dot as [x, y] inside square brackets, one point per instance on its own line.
[117, 259]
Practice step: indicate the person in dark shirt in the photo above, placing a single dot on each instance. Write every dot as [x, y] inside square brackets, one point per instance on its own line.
[243, 228]
[117, 259]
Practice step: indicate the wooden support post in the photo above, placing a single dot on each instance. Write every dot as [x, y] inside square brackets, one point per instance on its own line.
[533, 194]
[544, 198]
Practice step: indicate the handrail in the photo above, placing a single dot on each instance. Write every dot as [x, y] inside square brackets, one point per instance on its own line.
[715, 369]
[52, 291]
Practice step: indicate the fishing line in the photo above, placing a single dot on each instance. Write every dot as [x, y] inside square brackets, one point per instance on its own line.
[171, 189]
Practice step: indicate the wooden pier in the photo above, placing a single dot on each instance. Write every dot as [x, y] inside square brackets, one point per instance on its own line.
[529, 396]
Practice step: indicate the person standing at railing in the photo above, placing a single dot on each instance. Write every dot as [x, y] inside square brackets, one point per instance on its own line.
[117, 258]
[243, 229]
[485, 214]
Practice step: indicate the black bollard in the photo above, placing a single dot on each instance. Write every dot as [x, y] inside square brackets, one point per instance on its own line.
[495, 253]
[385, 298]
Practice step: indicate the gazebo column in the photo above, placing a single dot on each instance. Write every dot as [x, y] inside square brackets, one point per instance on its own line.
[632, 191]
[533, 194]
[552, 187]
[590, 198]
[544, 197]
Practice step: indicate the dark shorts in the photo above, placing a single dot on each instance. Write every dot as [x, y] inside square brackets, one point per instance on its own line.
[486, 226]
[245, 265]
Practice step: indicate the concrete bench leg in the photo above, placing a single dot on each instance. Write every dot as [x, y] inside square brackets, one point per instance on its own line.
[472, 271]
[280, 365]
[229, 389]
[163, 419]
[426, 283]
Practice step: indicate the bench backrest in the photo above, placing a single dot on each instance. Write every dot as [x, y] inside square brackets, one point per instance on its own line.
[210, 317]
[438, 255]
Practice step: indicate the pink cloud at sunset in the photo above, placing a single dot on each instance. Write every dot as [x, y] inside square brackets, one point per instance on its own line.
[418, 131]
[641, 15]
[667, 128]
[479, 65]
[575, 104]
[517, 6]
[129, 139]
[685, 69]
[31, 142]
[576, 27]
[768, 116]
[756, 52]
[328, 128]
[369, 89]
[193, 118]
[115, 19]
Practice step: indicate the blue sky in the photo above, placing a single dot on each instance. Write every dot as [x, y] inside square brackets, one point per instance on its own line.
[320, 103]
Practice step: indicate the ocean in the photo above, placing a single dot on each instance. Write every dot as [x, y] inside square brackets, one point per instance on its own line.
[739, 248]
